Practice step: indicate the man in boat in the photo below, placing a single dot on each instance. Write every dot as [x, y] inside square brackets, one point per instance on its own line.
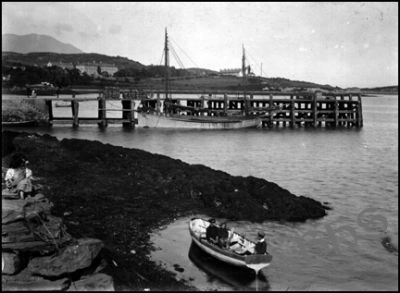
[223, 235]
[261, 245]
[212, 232]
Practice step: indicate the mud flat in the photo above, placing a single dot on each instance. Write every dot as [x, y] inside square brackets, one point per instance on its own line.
[119, 195]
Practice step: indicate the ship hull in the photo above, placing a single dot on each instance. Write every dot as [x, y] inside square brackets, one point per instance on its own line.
[151, 120]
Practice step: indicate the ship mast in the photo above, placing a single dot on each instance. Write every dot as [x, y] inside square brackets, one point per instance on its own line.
[244, 65]
[244, 81]
[166, 65]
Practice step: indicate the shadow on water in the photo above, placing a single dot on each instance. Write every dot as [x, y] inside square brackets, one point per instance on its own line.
[242, 279]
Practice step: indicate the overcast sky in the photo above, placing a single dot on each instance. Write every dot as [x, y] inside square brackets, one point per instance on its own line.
[341, 44]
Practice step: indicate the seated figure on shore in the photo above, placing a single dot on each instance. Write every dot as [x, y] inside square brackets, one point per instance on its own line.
[18, 177]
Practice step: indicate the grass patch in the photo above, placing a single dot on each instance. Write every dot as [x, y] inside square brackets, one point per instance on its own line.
[20, 110]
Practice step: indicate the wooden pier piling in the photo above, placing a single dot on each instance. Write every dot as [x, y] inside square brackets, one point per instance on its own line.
[49, 105]
[102, 111]
[127, 111]
[75, 113]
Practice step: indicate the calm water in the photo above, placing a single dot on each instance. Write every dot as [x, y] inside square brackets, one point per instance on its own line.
[355, 171]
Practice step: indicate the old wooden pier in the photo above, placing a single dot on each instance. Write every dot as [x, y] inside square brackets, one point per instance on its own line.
[278, 109]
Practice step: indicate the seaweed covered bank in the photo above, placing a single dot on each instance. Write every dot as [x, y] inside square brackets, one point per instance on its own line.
[119, 195]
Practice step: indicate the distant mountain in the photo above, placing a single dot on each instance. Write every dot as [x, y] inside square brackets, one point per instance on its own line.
[41, 59]
[35, 43]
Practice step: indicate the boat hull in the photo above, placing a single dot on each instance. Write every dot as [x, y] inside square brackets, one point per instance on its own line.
[253, 261]
[151, 120]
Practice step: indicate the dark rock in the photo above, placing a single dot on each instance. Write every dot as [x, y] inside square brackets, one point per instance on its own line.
[70, 259]
[96, 282]
[179, 269]
[11, 263]
[388, 245]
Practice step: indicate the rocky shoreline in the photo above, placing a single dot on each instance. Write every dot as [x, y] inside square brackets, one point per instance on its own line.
[120, 195]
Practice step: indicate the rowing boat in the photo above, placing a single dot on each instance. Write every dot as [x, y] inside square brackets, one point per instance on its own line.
[240, 252]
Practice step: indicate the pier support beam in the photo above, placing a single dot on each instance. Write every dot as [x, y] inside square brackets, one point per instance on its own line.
[75, 112]
[49, 105]
[158, 104]
[203, 104]
[314, 110]
[336, 113]
[127, 112]
[291, 112]
[226, 104]
[102, 111]
[359, 112]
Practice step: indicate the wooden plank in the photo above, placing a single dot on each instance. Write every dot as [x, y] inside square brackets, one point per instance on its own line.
[303, 111]
[347, 120]
[116, 110]
[59, 121]
[326, 119]
[304, 120]
[346, 111]
[326, 111]
[282, 119]
[54, 98]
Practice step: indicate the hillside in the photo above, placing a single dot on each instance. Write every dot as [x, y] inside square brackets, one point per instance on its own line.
[151, 76]
[42, 58]
[201, 71]
[232, 83]
[35, 43]
[387, 89]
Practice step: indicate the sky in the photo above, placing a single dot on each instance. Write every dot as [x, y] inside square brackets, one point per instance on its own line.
[345, 44]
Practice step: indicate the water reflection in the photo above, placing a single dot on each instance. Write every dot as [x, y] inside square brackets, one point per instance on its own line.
[242, 279]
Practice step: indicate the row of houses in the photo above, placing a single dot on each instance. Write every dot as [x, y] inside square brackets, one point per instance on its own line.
[90, 68]
[236, 72]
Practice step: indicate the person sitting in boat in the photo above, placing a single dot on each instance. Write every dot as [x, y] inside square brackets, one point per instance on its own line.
[18, 177]
[212, 232]
[261, 245]
[223, 235]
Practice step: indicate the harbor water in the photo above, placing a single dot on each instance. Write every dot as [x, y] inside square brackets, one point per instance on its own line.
[354, 171]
